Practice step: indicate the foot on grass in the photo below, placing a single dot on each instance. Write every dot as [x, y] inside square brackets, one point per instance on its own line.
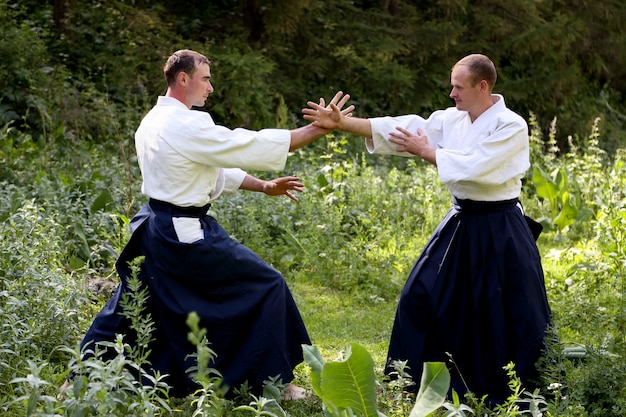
[63, 389]
[296, 393]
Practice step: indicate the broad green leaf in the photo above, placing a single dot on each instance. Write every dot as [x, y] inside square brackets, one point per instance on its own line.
[585, 213]
[350, 384]
[84, 249]
[561, 179]
[321, 180]
[567, 216]
[102, 202]
[75, 263]
[313, 358]
[433, 389]
[546, 188]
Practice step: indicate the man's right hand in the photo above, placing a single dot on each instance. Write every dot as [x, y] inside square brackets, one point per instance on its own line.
[328, 117]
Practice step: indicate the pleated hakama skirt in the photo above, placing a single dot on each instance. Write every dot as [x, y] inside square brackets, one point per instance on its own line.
[476, 300]
[253, 324]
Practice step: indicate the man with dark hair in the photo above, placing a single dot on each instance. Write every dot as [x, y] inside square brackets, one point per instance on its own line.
[190, 263]
[182, 61]
[477, 292]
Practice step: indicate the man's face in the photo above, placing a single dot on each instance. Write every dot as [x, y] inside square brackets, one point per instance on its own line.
[463, 93]
[199, 85]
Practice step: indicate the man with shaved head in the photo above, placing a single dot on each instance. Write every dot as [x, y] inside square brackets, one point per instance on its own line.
[476, 296]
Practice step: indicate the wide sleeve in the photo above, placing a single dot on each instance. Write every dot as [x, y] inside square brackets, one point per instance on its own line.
[500, 155]
[382, 126]
[233, 178]
[228, 181]
[203, 142]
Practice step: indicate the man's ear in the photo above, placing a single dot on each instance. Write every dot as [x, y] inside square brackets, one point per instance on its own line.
[484, 86]
[182, 78]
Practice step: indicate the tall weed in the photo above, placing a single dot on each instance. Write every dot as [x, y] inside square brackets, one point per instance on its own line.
[346, 248]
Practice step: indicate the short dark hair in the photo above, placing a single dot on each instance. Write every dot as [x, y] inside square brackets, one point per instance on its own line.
[481, 68]
[183, 60]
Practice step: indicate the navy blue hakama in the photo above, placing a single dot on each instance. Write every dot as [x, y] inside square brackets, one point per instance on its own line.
[476, 293]
[252, 322]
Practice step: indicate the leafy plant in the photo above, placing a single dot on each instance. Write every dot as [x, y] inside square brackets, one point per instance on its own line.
[263, 407]
[346, 387]
[433, 389]
[561, 195]
[399, 388]
[345, 250]
[103, 387]
[208, 399]
[455, 408]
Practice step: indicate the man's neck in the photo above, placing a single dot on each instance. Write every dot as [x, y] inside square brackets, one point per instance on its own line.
[485, 105]
[177, 95]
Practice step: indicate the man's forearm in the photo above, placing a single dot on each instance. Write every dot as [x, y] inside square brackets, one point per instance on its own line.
[304, 135]
[251, 183]
[429, 155]
[357, 125]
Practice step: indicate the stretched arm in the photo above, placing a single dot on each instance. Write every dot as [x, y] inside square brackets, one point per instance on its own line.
[277, 186]
[304, 135]
[332, 117]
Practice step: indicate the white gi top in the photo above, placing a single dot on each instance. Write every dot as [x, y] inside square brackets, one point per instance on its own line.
[481, 161]
[187, 160]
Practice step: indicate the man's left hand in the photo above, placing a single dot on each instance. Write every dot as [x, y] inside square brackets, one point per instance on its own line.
[283, 185]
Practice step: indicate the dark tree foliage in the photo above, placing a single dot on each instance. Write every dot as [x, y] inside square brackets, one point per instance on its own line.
[556, 58]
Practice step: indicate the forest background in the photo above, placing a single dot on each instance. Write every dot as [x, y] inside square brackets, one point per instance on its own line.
[555, 58]
[79, 75]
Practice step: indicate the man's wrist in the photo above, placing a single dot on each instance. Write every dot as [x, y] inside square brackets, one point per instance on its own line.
[264, 186]
[318, 131]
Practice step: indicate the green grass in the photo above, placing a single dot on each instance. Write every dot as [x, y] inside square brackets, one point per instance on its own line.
[345, 250]
[335, 319]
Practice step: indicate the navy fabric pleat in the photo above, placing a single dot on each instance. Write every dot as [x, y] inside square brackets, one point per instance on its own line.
[251, 318]
[475, 295]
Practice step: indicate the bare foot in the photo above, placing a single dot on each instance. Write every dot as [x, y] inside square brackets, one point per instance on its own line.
[295, 393]
[64, 388]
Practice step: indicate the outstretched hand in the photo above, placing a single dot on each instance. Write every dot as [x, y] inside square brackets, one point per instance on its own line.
[328, 117]
[283, 185]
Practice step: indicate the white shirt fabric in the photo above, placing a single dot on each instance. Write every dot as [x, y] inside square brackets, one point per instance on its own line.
[187, 160]
[482, 161]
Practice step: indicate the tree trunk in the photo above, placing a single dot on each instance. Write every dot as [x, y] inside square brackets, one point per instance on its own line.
[61, 11]
[392, 7]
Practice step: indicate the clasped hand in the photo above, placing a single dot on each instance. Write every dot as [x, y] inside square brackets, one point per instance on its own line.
[328, 117]
[408, 141]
